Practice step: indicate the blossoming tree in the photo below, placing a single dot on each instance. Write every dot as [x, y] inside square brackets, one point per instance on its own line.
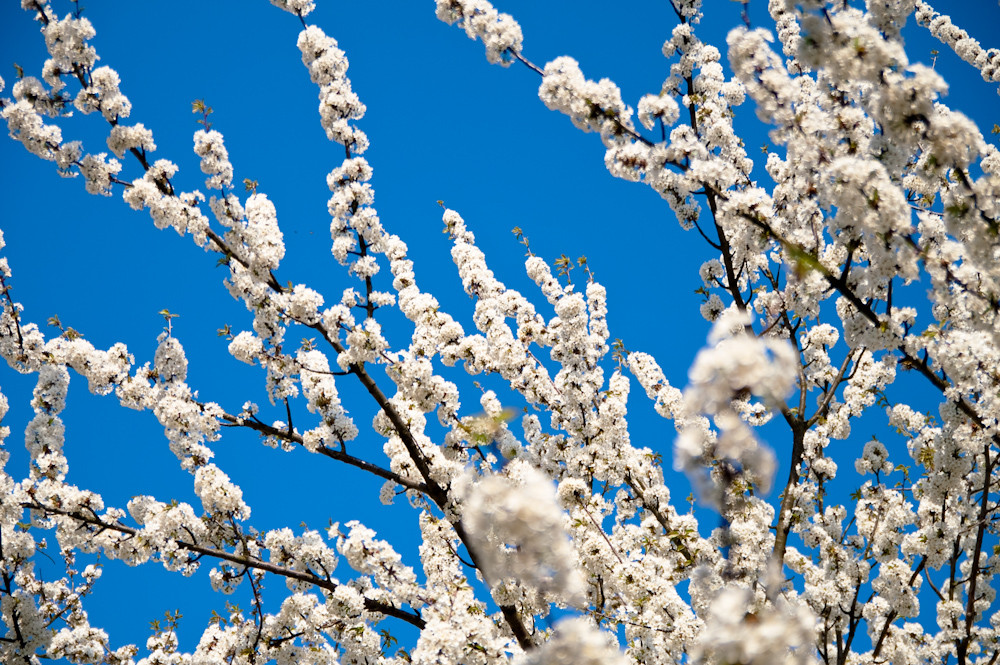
[547, 537]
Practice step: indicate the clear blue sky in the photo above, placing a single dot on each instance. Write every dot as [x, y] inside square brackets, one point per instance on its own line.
[444, 125]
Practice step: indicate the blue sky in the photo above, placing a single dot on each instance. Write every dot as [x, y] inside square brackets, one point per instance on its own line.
[444, 125]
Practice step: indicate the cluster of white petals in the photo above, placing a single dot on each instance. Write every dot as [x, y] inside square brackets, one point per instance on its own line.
[261, 236]
[987, 61]
[66, 41]
[297, 7]
[592, 106]
[151, 192]
[338, 104]
[500, 33]
[738, 632]
[98, 171]
[26, 125]
[515, 524]
[575, 642]
[319, 388]
[103, 94]
[215, 163]
[124, 138]
[724, 378]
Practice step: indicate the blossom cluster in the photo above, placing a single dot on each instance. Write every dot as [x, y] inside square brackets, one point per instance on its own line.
[500, 33]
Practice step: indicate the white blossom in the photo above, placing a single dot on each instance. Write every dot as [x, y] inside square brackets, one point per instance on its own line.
[517, 526]
[500, 33]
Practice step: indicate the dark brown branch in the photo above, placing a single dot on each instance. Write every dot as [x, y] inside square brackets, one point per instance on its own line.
[411, 617]
[14, 315]
[893, 614]
[784, 526]
[338, 455]
[974, 572]
[831, 391]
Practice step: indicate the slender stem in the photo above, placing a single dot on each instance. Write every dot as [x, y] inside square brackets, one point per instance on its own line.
[338, 455]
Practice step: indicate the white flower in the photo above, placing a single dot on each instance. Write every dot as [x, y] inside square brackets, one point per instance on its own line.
[592, 106]
[653, 108]
[124, 138]
[214, 159]
[500, 33]
[297, 7]
[218, 494]
[103, 95]
[304, 304]
[98, 171]
[246, 347]
[575, 641]
[737, 631]
[516, 525]
[874, 459]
